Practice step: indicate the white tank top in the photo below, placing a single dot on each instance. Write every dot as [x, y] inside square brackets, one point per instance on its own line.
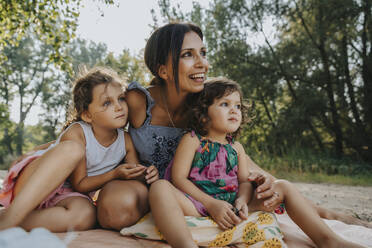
[99, 159]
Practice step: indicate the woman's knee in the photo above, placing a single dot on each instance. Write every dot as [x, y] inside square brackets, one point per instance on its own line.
[115, 211]
[283, 185]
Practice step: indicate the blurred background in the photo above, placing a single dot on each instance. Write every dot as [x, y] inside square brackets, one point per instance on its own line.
[306, 66]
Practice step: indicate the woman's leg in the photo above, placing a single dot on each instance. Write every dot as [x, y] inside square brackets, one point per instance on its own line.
[71, 214]
[39, 179]
[122, 203]
[307, 218]
[322, 212]
[169, 207]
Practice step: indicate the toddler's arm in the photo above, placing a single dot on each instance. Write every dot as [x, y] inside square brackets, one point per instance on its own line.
[245, 192]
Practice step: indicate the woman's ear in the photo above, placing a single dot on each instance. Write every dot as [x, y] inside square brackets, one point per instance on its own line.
[86, 116]
[163, 72]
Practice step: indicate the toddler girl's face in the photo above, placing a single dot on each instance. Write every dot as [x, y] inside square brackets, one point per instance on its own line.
[108, 108]
[225, 113]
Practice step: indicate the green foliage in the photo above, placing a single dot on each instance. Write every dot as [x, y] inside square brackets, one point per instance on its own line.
[54, 22]
[132, 67]
[310, 78]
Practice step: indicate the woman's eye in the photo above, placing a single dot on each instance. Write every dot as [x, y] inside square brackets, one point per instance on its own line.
[106, 103]
[122, 99]
[238, 106]
[187, 54]
[224, 104]
[203, 53]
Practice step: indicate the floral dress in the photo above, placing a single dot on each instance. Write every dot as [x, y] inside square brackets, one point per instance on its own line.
[214, 170]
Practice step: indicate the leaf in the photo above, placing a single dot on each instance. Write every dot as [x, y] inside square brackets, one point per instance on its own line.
[142, 235]
[191, 224]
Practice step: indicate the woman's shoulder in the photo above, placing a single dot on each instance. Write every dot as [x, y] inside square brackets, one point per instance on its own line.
[138, 95]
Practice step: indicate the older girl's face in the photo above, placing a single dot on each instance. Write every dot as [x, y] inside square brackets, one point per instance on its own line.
[193, 64]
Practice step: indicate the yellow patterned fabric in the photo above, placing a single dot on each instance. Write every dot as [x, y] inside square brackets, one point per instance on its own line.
[261, 229]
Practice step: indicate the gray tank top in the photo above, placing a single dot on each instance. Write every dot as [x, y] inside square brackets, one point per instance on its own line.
[99, 159]
[155, 144]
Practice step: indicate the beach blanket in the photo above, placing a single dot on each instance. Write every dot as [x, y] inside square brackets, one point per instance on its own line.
[261, 229]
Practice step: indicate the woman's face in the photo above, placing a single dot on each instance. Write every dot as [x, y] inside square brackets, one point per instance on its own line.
[193, 64]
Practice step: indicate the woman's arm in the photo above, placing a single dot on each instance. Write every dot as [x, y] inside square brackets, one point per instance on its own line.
[136, 101]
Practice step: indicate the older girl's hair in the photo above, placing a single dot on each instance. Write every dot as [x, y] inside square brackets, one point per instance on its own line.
[164, 41]
[82, 91]
[214, 88]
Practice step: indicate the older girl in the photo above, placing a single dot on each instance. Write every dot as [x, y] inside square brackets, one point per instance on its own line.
[88, 152]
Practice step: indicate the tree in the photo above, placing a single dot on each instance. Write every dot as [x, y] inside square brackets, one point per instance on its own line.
[311, 77]
[56, 95]
[132, 67]
[54, 22]
[25, 73]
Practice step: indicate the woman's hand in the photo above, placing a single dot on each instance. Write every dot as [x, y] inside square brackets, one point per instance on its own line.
[267, 189]
[152, 174]
[241, 208]
[129, 171]
[222, 213]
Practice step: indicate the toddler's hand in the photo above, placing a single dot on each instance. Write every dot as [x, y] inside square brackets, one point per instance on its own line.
[241, 209]
[152, 174]
[222, 213]
[129, 171]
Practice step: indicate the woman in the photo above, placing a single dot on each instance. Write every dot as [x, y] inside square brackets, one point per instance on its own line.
[176, 56]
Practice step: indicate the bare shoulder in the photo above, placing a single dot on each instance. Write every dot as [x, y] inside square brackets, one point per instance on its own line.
[135, 98]
[190, 140]
[136, 101]
[76, 133]
[238, 147]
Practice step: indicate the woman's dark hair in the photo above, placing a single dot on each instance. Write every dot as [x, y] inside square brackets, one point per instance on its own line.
[83, 85]
[214, 88]
[164, 41]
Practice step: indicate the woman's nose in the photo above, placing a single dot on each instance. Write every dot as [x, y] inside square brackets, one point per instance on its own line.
[201, 61]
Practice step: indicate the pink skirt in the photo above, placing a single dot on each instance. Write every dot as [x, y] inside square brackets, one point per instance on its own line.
[6, 193]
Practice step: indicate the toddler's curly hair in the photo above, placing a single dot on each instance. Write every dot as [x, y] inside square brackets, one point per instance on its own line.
[198, 104]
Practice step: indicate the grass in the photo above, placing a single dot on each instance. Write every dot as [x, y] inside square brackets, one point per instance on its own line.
[306, 166]
[309, 177]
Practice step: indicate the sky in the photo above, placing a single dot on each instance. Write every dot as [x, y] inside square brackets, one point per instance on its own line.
[126, 26]
[120, 27]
